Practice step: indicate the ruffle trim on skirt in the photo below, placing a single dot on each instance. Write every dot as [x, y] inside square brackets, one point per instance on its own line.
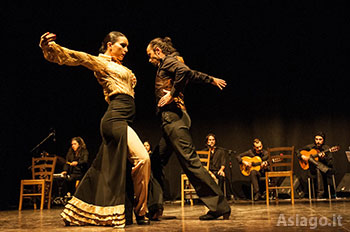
[77, 212]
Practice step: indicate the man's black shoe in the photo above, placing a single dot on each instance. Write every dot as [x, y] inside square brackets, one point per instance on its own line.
[213, 216]
[142, 220]
[154, 215]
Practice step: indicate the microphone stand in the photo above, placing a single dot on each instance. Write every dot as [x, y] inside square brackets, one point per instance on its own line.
[36, 147]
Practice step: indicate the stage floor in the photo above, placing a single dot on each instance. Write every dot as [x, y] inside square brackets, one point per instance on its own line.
[246, 216]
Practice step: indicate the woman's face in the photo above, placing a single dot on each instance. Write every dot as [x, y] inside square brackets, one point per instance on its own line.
[147, 146]
[118, 49]
[75, 145]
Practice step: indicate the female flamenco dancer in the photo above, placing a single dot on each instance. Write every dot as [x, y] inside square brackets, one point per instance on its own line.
[100, 196]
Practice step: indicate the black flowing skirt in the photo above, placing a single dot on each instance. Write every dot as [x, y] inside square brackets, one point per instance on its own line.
[100, 196]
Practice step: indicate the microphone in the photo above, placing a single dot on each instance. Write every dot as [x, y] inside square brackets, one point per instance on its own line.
[53, 133]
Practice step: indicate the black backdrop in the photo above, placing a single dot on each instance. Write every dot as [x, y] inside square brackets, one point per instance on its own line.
[284, 62]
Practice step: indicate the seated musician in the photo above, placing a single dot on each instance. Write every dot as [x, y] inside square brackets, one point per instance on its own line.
[76, 164]
[248, 157]
[322, 159]
[217, 159]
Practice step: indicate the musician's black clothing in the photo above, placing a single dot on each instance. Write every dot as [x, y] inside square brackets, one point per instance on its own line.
[327, 160]
[325, 165]
[217, 160]
[251, 153]
[254, 175]
[75, 173]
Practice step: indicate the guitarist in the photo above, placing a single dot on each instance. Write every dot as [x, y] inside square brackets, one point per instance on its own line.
[323, 162]
[257, 150]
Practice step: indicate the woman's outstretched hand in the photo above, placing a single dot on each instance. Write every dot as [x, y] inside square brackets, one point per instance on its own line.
[46, 39]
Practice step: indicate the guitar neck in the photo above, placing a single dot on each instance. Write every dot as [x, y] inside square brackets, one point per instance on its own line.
[316, 155]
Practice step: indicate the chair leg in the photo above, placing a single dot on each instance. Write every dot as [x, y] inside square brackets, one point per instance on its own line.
[21, 197]
[329, 188]
[42, 196]
[267, 190]
[191, 200]
[49, 201]
[313, 189]
[309, 187]
[189, 193]
[251, 191]
[334, 186]
[292, 189]
[182, 192]
[224, 187]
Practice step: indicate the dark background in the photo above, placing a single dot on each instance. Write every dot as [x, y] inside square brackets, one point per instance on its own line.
[285, 63]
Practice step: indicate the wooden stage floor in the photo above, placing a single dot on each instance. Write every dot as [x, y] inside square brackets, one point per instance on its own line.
[246, 216]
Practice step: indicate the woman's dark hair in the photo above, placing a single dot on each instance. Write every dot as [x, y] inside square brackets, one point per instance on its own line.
[147, 141]
[81, 143]
[110, 37]
[165, 44]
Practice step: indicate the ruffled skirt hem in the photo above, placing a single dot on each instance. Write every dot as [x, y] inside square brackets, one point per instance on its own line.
[80, 213]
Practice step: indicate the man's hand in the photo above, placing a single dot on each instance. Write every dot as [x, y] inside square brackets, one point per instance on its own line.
[322, 155]
[264, 164]
[220, 83]
[166, 99]
[305, 158]
[221, 173]
[74, 163]
[46, 39]
[246, 163]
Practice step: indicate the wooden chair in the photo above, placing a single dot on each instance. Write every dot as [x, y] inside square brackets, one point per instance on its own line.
[281, 165]
[186, 187]
[41, 183]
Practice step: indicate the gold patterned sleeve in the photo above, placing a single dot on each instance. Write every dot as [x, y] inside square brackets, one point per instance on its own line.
[64, 56]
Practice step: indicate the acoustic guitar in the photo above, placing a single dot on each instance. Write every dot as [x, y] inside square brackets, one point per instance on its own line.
[314, 154]
[256, 165]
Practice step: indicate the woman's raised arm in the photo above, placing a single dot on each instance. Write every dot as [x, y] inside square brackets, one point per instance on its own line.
[64, 56]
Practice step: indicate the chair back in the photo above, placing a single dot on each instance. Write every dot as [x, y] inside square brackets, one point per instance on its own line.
[43, 167]
[204, 157]
[281, 158]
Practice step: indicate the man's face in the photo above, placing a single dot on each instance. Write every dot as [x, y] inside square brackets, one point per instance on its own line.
[258, 147]
[211, 141]
[319, 141]
[153, 55]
